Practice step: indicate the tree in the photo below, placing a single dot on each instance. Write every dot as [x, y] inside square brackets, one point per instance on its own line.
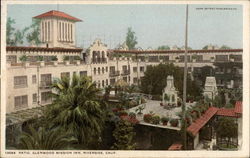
[124, 134]
[205, 47]
[131, 39]
[202, 73]
[164, 47]
[76, 108]
[45, 139]
[33, 36]
[225, 47]
[226, 128]
[10, 31]
[154, 80]
[14, 37]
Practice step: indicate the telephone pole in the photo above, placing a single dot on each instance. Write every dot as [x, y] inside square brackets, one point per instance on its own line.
[185, 84]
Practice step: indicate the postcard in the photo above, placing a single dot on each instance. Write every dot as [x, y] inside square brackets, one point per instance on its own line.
[124, 78]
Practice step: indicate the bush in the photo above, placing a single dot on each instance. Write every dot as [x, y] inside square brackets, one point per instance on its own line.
[54, 58]
[164, 120]
[174, 122]
[147, 118]
[132, 115]
[156, 119]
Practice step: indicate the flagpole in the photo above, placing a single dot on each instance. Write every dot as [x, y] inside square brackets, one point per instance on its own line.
[185, 82]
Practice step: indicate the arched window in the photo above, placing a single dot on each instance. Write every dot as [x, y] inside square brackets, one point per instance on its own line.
[103, 70]
[173, 98]
[99, 70]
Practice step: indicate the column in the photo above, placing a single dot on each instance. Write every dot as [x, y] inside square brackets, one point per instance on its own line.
[42, 31]
[49, 31]
[70, 33]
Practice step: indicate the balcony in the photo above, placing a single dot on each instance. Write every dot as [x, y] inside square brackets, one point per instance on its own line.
[45, 85]
[99, 60]
[125, 72]
[114, 73]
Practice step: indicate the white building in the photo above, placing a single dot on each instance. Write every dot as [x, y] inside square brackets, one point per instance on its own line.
[28, 81]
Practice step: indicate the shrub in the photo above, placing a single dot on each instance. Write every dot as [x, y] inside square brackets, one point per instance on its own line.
[156, 119]
[147, 118]
[54, 58]
[132, 115]
[164, 120]
[174, 122]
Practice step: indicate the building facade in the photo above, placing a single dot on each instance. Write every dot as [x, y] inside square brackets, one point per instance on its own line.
[29, 80]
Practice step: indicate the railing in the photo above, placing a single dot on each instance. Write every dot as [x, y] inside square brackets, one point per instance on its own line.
[114, 73]
[99, 60]
[49, 63]
[125, 72]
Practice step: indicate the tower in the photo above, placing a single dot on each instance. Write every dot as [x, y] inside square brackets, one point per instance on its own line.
[169, 95]
[57, 29]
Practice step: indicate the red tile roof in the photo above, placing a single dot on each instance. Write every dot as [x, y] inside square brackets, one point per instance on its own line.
[175, 146]
[55, 49]
[177, 51]
[54, 13]
[226, 112]
[238, 107]
[200, 122]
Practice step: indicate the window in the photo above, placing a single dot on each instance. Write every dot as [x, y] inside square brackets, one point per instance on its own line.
[65, 74]
[99, 70]
[34, 98]
[141, 69]
[107, 69]
[11, 58]
[125, 79]
[33, 79]
[94, 70]
[45, 97]
[134, 69]
[107, 81]
[46, 80]
[112, 81]
[103, 83]
[135, 80]
[221, 57]
[21, 101]
[112, 69]
[103, 70]
[20, 81]
[83, 73]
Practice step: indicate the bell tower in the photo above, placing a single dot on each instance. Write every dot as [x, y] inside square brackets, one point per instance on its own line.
[57, 29]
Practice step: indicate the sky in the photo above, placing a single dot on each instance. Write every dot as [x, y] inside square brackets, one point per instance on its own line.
[154, 25]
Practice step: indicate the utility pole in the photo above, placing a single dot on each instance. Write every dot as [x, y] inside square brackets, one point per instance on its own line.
[185, 84]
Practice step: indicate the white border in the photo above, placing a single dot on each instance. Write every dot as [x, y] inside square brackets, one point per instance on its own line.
[245, 147]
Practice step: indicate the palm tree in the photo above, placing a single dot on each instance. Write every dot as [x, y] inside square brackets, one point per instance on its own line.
[76, 108]
[43, 139]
